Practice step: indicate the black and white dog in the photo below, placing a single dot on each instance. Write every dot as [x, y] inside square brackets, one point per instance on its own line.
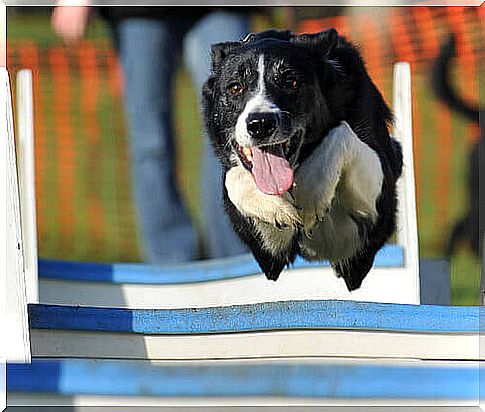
[302, 134]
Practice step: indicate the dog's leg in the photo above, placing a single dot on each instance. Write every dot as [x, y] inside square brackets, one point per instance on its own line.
[251, 202]
[355, 269]
[343, 160]
[266, 223]
[362, 178]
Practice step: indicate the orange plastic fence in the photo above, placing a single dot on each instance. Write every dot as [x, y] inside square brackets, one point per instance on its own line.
[77, 97]
[78, 91]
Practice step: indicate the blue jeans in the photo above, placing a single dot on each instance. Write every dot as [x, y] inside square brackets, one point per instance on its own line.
[148, 51]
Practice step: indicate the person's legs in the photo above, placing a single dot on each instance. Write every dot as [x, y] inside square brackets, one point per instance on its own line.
[218, 26]
[147, 50]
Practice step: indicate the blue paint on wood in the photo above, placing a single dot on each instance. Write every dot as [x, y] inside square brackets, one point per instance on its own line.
[332, 380]
[67, 270]
[203, 271]
[38, 376]
[288, 315]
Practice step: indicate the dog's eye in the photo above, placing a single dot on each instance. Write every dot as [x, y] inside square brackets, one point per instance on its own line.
[235, 88]
[291, 82]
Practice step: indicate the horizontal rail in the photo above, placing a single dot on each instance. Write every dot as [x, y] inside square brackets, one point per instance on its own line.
[350, 380]
[202, 271]
[290, 315]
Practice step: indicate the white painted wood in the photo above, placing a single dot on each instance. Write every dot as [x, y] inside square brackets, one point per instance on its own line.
[26, 168]
[84, 403]
[434, 276]
[16, 332]
[386, 285]
[3, 34]
[407, 229]
[3, 208]
[256, 345]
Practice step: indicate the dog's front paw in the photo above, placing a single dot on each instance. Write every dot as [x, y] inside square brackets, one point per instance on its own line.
[314, 203]
[336, 160]
[279, 210]
[251, 202]
[315, 212]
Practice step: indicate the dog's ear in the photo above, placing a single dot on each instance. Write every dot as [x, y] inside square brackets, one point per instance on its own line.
[268, 34]
[324, 42]
[208, 95]
[208, 87]
[219, 52]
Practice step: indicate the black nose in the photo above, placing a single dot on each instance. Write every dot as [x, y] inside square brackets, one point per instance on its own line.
[261, 125]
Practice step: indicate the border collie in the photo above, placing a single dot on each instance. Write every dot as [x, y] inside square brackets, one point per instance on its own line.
[302, 135]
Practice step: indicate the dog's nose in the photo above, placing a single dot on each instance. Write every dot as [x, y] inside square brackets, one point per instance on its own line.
[261, 125]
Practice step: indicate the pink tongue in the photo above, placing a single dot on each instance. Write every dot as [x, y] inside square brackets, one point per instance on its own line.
[271, 171]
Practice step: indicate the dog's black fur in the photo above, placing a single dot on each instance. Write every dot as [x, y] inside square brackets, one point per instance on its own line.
[471, 226]
[333, 86]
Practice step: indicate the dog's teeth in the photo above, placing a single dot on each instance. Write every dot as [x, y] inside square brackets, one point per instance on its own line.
[248, 153]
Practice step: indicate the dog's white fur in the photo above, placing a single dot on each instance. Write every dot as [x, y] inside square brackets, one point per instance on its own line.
[344, 159]
[274, 217]
[256, 104]
[342, 178]
[251, 202]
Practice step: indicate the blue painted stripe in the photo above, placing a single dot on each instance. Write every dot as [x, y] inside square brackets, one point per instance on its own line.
[123, 378]
[202, 271]
[38, 376]
[259, 317]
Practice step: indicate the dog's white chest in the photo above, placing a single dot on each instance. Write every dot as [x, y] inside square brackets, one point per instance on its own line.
[338, 184]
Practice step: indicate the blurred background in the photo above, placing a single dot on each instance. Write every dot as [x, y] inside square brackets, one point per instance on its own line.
[84, 204]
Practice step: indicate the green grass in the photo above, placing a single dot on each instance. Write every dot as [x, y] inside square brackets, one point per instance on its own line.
[34, 27]
[465, 279]
[102, 172]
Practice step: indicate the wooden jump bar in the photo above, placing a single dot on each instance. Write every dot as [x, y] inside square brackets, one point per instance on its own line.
[267, 316]
[390, 255]
[349, 380]
[289, 329]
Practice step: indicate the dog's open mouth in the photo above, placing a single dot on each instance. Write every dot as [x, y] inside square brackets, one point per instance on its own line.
[271, 170]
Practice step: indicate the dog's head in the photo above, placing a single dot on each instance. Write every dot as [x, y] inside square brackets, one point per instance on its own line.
[267, 97]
